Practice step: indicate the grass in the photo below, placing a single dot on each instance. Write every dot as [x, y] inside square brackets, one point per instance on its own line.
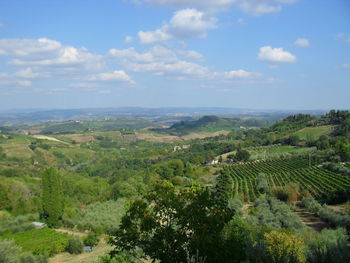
[40, 241]
[86, 257]
[17, 147]
[313, 132]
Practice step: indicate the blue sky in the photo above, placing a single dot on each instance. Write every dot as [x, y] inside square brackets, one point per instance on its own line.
[260, 54]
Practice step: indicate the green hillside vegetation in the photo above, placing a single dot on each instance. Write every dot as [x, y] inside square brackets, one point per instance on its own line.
[139, 192]
[210, 124]
[313, 132]
[40, 241]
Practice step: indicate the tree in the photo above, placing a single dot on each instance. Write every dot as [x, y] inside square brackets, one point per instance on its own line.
[284, 247]
[52, 197]
[168, 225]
[262, 184]
[242, 155]
[75, 245]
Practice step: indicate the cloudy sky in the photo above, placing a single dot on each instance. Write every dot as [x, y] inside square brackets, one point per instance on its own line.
[261, 54]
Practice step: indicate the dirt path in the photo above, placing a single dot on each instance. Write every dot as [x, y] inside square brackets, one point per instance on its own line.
[86, 257]
[310, 220]
[74, 233]
[43, 137]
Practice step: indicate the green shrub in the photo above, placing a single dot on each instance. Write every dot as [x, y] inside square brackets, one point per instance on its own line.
[9, 251]
[330, 246]
[98, 217]
[75, 246]
[91, 240]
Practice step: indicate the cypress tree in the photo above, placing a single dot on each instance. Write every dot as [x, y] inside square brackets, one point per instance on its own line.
[52, 197]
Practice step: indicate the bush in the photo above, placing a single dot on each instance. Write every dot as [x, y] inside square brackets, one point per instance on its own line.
[91, 240]
[75, 246]
[283, 247]
[311, 205]
[98, 217]
[9, 224]
[9, 251]
[330, 246]
[30, 258]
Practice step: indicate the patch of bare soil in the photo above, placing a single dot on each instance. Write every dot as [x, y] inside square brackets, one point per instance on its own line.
[172, 138]
[157, 138]
[43, 137]
[71, 232]
[310, 220]
[80, 138]
[339, 208]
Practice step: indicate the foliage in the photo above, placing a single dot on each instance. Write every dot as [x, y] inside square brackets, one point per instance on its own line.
[98, 217]
[262, 184]
[75, 245]
[9, 251]
[274, 214]
[332, 217]
[52, 197]
[284, 247]
[46, 242]
[242, 155]
[163, 224]
[11, 224]
[330, 246]
[91, 240]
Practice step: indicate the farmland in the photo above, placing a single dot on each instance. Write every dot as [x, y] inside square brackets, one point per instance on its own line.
[319, 182]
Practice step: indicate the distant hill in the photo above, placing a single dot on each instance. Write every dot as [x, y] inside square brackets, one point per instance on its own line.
[210, 124]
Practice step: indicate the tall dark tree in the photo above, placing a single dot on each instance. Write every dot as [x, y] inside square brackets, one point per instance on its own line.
[52, 197]
[168, 225]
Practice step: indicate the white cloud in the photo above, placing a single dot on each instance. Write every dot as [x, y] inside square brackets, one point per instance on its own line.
[161, 61]
[29, 73]
[190, 54]
[241, 74]
[116, 75]
[2, 25]
[275, 55]
[252, 7]
[346, 66]
[44, 52]
[185, 23]
[128, 39]
[302, 42]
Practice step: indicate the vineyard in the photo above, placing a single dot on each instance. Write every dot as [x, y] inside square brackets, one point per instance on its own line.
[317, 181]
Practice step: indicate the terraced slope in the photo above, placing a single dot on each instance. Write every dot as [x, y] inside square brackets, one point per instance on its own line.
[319, 182]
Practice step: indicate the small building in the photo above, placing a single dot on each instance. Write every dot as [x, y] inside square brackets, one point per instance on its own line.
[38, 225]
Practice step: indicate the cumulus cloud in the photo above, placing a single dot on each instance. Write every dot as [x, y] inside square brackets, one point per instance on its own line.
[302, 42]
[185, 23]
[162, 61]
[44, 58]
[46, 52]
[116, 75]
[275, 55]
[252, 7]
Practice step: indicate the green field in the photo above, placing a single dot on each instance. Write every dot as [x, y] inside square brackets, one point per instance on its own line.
[40, 241]
[313, 132]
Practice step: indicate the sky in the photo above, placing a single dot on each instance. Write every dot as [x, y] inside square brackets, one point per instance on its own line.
[256, 54]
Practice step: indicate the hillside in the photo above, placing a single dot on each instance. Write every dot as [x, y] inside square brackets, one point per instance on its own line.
[210, 123]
